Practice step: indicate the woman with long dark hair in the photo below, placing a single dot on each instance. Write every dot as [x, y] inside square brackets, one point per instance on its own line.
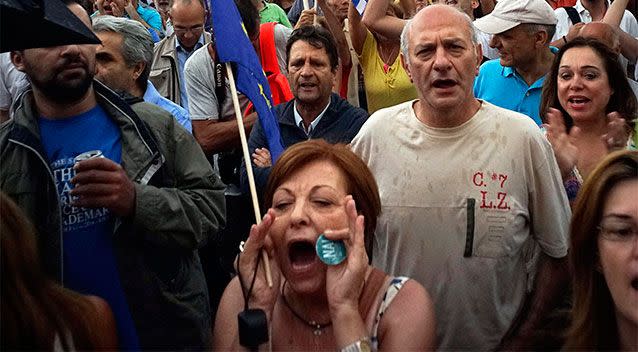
[603, 257]
[588, 108]
[37, 313]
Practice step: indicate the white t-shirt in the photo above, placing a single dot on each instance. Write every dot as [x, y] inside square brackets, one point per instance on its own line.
[199, 80]
[465, 212]
[484, 40]
[12, 81]
[628, 24]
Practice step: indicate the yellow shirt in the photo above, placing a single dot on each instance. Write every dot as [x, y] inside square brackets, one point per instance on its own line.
[383, 89]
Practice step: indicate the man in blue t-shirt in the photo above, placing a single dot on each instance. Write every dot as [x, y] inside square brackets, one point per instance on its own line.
[522, 30]
[127, 224]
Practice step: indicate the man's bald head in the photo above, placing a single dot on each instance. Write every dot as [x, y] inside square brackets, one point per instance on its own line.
[426, 15]
[180, 3]
[188, 18]
[601, 32]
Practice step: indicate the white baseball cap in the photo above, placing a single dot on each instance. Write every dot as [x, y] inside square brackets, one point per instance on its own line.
[508, 14]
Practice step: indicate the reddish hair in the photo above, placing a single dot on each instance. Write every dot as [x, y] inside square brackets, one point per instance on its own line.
[360, 182]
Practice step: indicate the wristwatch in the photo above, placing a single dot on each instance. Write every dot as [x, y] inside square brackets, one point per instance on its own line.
[362, 345]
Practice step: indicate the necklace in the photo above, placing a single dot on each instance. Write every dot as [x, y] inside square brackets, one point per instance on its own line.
[318, 327]
[386, 58]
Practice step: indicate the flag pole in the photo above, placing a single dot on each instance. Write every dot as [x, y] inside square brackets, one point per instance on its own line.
[249, 166]
[314, 19]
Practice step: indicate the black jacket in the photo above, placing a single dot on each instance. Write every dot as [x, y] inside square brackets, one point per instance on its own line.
[339, 124]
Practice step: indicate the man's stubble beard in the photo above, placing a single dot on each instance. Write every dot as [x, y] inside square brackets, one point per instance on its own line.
[62, 91]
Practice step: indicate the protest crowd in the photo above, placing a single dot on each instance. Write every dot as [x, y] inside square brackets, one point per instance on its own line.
[350, 175]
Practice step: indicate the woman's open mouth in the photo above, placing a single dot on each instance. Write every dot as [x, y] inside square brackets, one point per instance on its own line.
[301, 254]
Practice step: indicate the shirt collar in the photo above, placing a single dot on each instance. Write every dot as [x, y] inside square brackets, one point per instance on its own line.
[199, 44]
[508, 71]
[313, 124]
[151, 95]
[265, 6]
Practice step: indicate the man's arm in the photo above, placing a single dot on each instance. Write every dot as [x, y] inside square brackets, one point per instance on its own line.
[212, 134]
[336, 28]
[189, 212]
[153, 22]
[184, 209]
[563, 28]
[628, 46]
[615, 12]
[408, 7]
[549, 213]
[571, 34]
[613, 17]
[215, 136]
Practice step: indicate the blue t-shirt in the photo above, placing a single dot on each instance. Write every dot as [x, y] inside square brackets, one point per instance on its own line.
[504, 87]
[89, 265]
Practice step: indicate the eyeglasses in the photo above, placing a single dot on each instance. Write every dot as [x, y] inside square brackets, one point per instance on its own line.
[193, 30]
[618, 230]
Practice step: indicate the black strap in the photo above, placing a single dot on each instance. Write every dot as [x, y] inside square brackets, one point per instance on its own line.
[469, 233]
[220, 82]
[573, 14]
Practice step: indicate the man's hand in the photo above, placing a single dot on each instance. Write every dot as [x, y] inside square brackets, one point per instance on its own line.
[262, 158]
[117, 7]
[130, 9]
[574, 31]
[306, 18]
[102, 183]
[100, 7]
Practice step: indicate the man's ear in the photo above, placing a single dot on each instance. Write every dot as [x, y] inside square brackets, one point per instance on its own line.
[540, 39]
[479, 56]
[139, 68]
[17, 58]
[406, 67]
[475, 4]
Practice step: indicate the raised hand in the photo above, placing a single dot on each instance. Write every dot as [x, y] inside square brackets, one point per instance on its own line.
[344, 282]
[573, 31]
[562, 142]
[306, 18]
[262, 296]
[618, 132]
[118, 8]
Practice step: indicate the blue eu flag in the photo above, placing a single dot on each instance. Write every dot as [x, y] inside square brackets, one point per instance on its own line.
[233, 45]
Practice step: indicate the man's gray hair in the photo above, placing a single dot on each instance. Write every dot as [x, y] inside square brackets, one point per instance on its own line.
[405, 37]
[405, 34]
[550, 29]
[137, 44]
